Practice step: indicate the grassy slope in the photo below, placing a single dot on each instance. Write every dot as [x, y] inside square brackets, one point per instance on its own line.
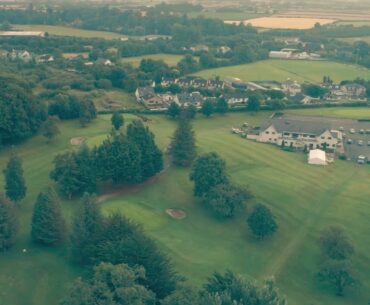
[280, 70]
[68, 31]
[304, 198]
[170, 59]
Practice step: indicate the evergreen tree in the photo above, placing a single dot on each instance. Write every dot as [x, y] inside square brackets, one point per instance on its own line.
[253, 103]
[15, 186]
[262, 222]
[173, 110]
[117, 120]
[86, 230]
[151, 157]
[75, 173]
[207, 108]
[48, 226]
[190, 112]
[50, 129]
[125, 242]
[8, 224]
[222, 106]
[207, 172]
[183, 149]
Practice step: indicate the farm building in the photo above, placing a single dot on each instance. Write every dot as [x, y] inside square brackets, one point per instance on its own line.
[317, 157]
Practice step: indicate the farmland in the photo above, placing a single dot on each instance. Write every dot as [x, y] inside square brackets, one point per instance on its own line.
[285, 22]
[279, 179]
[169, 59]
[69, 31]
[280, 70]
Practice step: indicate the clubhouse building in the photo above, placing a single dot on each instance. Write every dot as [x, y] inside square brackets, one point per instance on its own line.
[300, 134]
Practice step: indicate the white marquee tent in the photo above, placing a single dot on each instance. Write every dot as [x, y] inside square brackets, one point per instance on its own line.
[317, 157]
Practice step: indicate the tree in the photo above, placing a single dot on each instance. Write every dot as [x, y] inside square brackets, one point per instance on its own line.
[87, 112]
[190, 112]
[222, 106]
[48, 226]
[122, 241]
[207, 108]
[182, 147]
[262, 222]
[253, 103]
[86, 230]
[151, 161]
[111, 284]
[15, 185]
[8, 224]
[228, 289]
[224, 200]
[313, 90]
[335, 243]
[338, 274]
[207, 172]
[173, 110]
[50, 129]
[117, 120]
[183, 295]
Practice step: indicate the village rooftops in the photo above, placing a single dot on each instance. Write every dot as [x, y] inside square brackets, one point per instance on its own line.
[284, 124]
[21, 33]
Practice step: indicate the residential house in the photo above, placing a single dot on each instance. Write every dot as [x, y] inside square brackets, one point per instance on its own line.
[291, 88]
[44, 58]
[298, 133]
[223, 50]
[24, 56]
[236, 99]
[104, 61]
[354, 90]
[144, 93]
[185, 82]
[280, 55]
[186, 99]
[216, 84]
[200, 83]
[168, 81]
[199, 48]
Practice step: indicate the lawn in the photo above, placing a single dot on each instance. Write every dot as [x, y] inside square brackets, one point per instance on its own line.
[69, 31]
[169, 59]
[354, 39]
[280, 70]
[304, 198]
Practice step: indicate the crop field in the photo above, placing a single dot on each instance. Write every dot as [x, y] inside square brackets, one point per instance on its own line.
[225, 15]
[284, 22]
[354, 39]
[169, 59]
[281, 70]
[304, 198]
[68, 31]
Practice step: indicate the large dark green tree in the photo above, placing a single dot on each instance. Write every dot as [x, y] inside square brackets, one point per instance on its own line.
[183, 149]
[151, 156]
[50, 129]
[122, 241]
[20, 114]
[207, 172]
[225, 200]
[111, 285]
[8, 224]
[335, 243]
[208, 108]
[262, 222]
[117, 120]
[222, 106]
[48, 226]
[86, 230]
[15, 185]
[173, 110]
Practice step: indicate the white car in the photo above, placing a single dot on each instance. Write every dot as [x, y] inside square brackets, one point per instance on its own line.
[360, 142]
[361, 159]
[352, 130]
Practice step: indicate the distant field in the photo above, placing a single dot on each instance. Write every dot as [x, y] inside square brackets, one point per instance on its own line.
[226, 15]
[354, 39]
[284, 23]
[280, 70]
[355, 23]
[68, 31]
[170, 59]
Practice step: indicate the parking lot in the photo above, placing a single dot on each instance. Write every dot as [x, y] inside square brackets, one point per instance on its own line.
[352, 151]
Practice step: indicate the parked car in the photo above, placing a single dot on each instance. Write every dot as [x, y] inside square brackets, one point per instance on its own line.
[367, 131]
[360, 142]
[368, 143]
[362, 131]
[341, 128]
[349, 141]
[361, 159]
[352, 130]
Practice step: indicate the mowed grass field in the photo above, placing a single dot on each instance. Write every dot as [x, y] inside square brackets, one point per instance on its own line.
[170, 59]
[281, 70]
[305, 199]
[69, 31]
